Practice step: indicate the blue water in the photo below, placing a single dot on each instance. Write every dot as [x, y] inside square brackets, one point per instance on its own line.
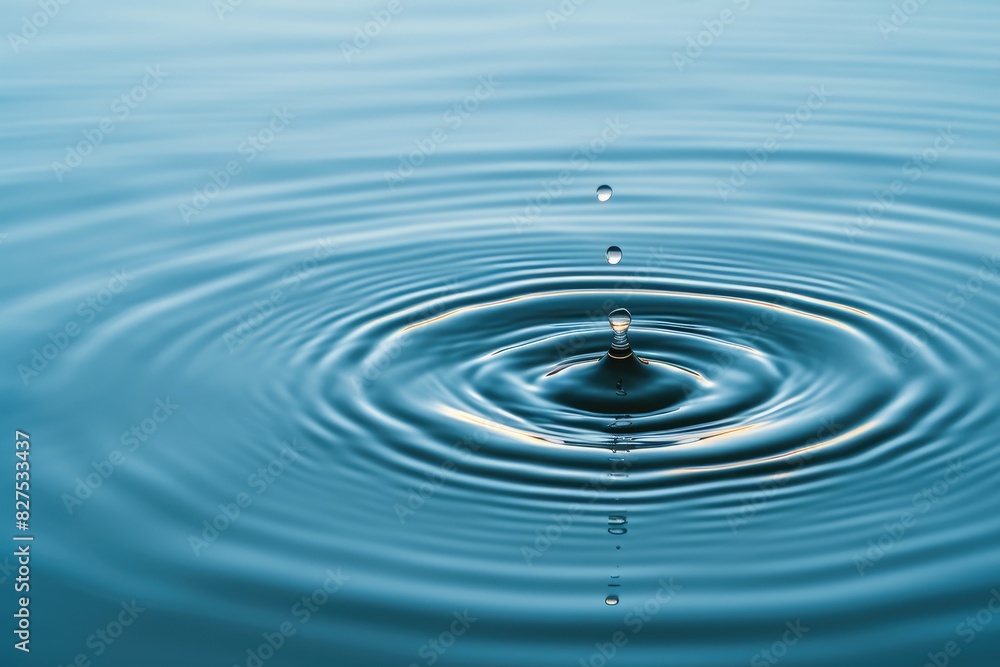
[282, 304]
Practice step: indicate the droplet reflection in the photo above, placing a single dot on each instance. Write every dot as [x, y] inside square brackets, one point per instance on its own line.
[620, 320]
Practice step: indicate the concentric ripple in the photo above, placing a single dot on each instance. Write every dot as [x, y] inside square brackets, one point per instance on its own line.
[757, 376]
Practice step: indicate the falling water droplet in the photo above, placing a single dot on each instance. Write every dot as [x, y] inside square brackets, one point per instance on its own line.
[616, 519]
[620, 320]
[617, 530]
[611, 600]
[614, 255]
[604, 193]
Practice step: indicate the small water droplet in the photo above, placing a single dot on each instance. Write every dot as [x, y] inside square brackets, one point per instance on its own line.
[620, 320]
[617, 530]
[604, 193]
[616, 519]
[614, 255]
[611, 600]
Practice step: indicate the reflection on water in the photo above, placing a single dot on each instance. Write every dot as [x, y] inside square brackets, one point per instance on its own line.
[356, 250]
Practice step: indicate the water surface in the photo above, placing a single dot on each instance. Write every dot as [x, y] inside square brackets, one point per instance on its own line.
[318, 283]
